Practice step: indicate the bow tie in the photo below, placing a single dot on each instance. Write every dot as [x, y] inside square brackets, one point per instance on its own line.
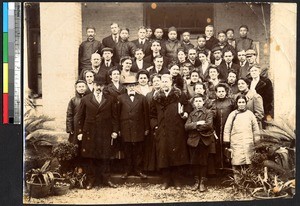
[131, 95]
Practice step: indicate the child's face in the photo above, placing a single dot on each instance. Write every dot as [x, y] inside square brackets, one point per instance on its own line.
[124, 34]
[185, 71]
[221, 92]
[81, 88]
[139, 55]
[198, 102]
[174, 70]
[201, 42]
[143, 79]
[199, 89]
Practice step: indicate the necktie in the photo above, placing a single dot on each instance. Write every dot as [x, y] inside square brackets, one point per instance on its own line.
[115, 39]
[98, 98]
[228, 67]
[106, 64]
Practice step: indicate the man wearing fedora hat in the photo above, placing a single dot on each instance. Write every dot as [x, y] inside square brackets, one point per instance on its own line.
[134, 126]
[97, 126]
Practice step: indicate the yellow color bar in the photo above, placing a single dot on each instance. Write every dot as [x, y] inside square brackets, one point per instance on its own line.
[5, 78]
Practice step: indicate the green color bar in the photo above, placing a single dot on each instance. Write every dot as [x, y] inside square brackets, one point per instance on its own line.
[5, 47]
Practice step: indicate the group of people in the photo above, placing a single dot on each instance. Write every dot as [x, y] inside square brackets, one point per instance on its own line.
[167, 104]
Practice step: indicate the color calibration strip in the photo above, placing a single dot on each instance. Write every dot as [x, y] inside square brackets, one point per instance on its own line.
[11, 62]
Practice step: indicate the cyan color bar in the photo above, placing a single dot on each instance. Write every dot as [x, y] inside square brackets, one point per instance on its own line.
[5, 17]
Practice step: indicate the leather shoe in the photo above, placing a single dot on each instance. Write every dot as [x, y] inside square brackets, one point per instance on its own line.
[89, 186]
[125, 175]
[112, 185]
[142, 175]
[164, 186]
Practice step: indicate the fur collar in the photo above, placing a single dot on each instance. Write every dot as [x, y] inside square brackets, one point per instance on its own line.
[161, 98]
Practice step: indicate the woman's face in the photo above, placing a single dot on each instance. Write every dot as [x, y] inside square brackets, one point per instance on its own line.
[199, 89]
[202, 57]
[156, 82]
[242, 85]
[174, 70]
[181, 56]
[213, 73]
[241, 103]
[126, 65]
[194, 77]
[143, 79]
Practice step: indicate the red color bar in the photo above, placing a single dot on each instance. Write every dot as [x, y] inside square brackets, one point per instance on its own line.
[5, 109]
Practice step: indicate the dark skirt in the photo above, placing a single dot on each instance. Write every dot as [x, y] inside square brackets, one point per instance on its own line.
[199, 154]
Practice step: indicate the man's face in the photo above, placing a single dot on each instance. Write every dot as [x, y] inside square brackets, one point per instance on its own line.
[199, 89]
[142, 33]
[139, 55]
[242, 56]
[230, 34]
[172, 35]
[198, 102]
[155, 47]
[114, 29]
[192, 54]
[202, 57]
[243, 32]
[251, 58]
[194, 77]
[181, 56]
[231, 78]
[98, 88]
[148, 33]
[81, 88]
[228, 57]
[156, 82]
[221, 92]
[213, 73]
[107, 55]
[115, 76]
[130, 88]
[242, 85]
[222, 37]
[124, 34]
[143, 79]
[158, 33]
[254, 72]
[158, 62]
[217, 54]
[209, 31]
[201, 42]
[186, 36]
[127, 64]
[90, 34]
[166, 83]
[174, 70]
[95, 60]
[89, 77]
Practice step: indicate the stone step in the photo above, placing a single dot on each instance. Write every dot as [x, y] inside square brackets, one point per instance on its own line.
[116, 179]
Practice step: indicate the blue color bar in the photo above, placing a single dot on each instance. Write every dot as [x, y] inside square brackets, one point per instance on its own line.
[5, 17]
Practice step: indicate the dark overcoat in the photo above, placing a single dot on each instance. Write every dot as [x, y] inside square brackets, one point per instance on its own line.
[97, 122]
[133, 117]
[170, 135]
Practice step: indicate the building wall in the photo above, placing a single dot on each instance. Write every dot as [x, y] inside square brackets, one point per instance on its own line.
[233, 15]
[101, 15]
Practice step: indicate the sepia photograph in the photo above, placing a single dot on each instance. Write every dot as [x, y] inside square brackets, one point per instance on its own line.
[158, 102]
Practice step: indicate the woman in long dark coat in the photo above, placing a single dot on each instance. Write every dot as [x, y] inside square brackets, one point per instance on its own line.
[168, 118]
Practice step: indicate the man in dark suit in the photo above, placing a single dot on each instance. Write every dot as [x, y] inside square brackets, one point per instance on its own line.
[243, 42]
[111, 40]
[139, 62]
[224, 68]
[192, 58]
[217, 56]
[97, 125]
[158, 67]
[186, 43]
[156, 51]
[210, 39]
[244, 65]
[95, 67]
[107, 63]
[223, 44]
[87, 48]
[134, 126]
[142, 42]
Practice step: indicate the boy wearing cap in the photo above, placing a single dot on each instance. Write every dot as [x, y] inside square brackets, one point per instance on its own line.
[107, 63]
[172, 44]
[97, 126]
[251, 59]
[217, 56]
[243, 42]
[87, 48]
[134, 126]
[142, 42]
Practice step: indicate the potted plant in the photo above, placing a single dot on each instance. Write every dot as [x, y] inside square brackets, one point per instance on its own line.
[65, 153]
[61, 187]
[39, 181]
